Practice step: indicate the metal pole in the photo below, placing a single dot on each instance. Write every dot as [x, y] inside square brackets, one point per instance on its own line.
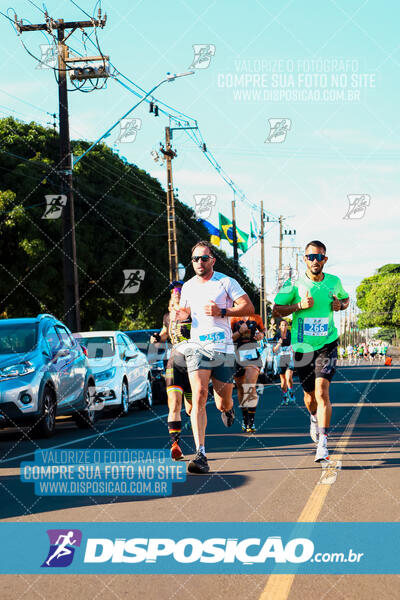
[280, 248]
[263, 311]
[71, 286]
[234, 238]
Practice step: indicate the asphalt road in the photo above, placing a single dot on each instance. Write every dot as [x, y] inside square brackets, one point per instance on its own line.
[269, 476]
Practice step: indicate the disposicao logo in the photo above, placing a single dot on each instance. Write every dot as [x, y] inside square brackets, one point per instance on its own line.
[62, 547]
[190, 550]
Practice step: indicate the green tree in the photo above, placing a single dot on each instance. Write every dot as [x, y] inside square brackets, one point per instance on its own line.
[378, 297]
[386, 334]
[120, 224]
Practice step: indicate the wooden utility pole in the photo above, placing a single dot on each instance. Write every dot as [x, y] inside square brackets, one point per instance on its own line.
[70, 268]
[234, 237]
[263, 304]
[169, 154]
[71, 282]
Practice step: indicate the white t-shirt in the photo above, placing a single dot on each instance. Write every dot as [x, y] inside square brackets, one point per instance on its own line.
[213, 333]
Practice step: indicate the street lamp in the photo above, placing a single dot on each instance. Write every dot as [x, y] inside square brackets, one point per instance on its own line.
[169, 77]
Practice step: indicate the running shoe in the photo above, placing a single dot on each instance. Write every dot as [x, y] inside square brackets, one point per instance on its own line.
[199, 464]
[176, 452]
[285, 400]
[228, 417]
[244, 426]
[322, 453]
[314, 429]
[251, 429]
[292, 397]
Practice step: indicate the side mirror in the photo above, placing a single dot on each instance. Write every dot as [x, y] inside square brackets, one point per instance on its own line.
[60, 353]
[129, 354]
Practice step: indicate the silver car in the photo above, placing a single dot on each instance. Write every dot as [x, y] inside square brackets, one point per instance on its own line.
[121, 371]
[43, 373]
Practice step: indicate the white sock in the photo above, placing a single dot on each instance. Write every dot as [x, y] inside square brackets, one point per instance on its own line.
[313, 418]
[202, 449]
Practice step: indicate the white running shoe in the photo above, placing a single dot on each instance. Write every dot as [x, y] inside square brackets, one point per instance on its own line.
[322, 453]
[314, 429]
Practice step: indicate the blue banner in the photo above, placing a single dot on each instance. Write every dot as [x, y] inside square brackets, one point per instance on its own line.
[200, 548]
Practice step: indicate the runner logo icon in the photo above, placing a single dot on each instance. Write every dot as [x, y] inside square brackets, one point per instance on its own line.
[62, 547]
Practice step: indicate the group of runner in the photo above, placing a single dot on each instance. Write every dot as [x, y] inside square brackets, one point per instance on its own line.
[211, 314]
[370, 350]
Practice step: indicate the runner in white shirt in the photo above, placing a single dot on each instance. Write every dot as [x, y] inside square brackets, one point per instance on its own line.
[210, 298]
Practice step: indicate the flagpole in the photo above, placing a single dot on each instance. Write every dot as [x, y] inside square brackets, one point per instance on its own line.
[263, 311]
[234, 236]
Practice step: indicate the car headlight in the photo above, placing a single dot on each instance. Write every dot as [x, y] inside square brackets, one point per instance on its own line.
[16, 370]
[103, 375]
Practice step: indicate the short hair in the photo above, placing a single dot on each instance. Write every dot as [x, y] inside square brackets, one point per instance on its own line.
[316, 243]
[204, 244]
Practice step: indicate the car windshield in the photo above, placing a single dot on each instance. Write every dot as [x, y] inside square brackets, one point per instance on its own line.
[15, 338]
[98, 347]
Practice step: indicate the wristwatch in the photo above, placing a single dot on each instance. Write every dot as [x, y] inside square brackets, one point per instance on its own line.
[223, 312]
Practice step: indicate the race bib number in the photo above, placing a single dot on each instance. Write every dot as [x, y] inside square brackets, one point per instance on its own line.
[218, 336]
[248, 354]
[316, 326]
[286, 351]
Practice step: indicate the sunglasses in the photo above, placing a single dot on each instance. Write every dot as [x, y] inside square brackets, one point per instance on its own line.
[203, 258]
[312, 257]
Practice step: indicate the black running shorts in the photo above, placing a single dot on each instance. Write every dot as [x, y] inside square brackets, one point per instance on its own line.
[320, 363]
[176, 374]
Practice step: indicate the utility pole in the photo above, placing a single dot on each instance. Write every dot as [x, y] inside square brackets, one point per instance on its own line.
[170, 154]
[263, 311]
[70, 269]
[71, 284]
[234, 237]
[280, 245]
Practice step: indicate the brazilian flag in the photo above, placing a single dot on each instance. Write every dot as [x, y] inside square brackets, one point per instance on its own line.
[226, 233]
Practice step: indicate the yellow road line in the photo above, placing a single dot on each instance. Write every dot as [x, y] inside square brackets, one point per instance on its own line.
[278, 586]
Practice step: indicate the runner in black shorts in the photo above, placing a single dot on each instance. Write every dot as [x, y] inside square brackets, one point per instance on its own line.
[246, 332]
[284, 361]
[177, 380]
[312, 299]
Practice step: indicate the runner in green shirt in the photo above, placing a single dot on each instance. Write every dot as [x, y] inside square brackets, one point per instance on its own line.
[312, 299]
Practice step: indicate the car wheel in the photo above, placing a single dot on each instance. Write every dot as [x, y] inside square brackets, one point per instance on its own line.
[87, 417]
[147, 401]
[124, 406]
[45, 425]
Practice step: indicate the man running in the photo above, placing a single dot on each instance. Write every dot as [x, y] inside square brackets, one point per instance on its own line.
[209, 298]
[312, 299]
[177, 380]
[284, 361]
[62, 549]
[247, 331]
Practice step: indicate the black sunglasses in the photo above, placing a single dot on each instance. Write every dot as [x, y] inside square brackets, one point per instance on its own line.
[312, 257]
[203, 258]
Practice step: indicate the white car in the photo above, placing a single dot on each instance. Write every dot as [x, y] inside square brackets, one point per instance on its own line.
[122, 373]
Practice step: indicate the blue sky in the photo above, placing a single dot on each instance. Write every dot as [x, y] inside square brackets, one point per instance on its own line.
[342, 140]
